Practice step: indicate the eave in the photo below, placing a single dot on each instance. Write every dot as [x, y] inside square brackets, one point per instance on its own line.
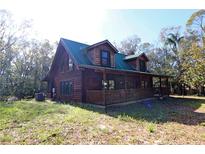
[122, 70]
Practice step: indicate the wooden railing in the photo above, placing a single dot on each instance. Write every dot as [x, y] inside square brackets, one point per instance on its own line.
[161, 91]
[117, 96]
[95, 96]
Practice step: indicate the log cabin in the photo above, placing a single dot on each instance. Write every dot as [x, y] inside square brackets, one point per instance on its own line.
[99, 74]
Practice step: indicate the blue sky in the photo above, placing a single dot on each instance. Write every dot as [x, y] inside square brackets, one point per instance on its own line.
[144, 23]
[89, 24]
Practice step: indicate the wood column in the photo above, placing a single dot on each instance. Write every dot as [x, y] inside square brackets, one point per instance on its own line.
[125, 91]
[160, 85]
[104, 90]
[167, 86]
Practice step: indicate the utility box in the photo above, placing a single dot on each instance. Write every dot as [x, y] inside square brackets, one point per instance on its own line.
[40, 96]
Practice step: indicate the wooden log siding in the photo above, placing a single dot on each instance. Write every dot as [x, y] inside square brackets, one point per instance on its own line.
[94, 54]
[118, 96]
[87, 82]
[75, 78]
[95, 97]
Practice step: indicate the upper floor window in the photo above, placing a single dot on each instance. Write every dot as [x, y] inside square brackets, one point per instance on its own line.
[70, 65]
[142, 65]
[105, 58]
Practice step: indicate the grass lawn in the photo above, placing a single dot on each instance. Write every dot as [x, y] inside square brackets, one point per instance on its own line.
[171, 121]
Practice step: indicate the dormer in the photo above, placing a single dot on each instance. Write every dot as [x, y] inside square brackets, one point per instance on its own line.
[102, 54]
[138, 62]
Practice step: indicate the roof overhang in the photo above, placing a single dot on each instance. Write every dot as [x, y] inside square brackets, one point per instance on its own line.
[133, 57]
[102, 42]
[122, 70]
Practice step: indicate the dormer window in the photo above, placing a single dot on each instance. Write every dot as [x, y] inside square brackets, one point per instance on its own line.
[105, 58]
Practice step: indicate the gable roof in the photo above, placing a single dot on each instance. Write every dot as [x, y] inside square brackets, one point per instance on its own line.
[78, 52]
[135, 56]
[102, 42]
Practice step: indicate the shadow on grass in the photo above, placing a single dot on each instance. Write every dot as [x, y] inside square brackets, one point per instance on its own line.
[180, 110]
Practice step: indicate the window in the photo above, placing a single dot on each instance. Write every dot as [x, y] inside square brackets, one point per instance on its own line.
[104, 84]
[120, 82]
[142, 65]
[70, 65]
[105, 58]
[131, 84]
[109, 84]
[145, 84]
[66, 88]
[142, 84]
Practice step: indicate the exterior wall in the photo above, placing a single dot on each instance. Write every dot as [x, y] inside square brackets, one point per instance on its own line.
[74, 76]
[87, 83]
[97, 95]
[135, 63]
[91, 80]
[94, 54]
[108, 97]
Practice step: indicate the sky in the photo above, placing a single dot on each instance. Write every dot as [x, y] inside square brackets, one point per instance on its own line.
[55, 19]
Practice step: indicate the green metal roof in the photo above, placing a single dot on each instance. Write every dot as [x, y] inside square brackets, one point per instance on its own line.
[78, 51]
[131, 56]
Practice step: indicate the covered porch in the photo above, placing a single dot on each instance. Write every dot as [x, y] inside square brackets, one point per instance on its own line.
[106, 87]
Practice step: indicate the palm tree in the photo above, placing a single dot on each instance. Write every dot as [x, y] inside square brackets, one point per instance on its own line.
[174, 41]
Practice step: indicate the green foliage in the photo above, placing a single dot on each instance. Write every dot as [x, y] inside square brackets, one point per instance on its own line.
[194, 66]
[23, 61]
[195, 16]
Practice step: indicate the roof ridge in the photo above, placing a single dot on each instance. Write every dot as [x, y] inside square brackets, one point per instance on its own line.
[121, 54]
[73, 41]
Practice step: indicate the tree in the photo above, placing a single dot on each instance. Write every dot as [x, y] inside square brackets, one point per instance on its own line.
[23, 61]
[146, 47]
[11, 35]
[196, 24]
[31, 66]
[194, 64]
[172, 40]
[129, 45]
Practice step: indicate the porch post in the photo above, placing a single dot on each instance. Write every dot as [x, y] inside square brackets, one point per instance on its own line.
[125, 91]
[167, 86]
[104, 90]
[160, 85]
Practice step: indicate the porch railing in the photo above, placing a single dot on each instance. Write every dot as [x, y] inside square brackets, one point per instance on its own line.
[117, 96]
